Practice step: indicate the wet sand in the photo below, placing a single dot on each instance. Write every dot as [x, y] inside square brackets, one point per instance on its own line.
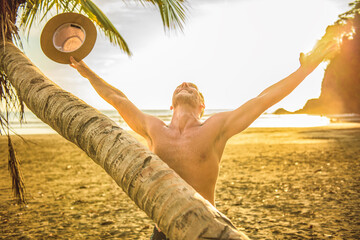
[274, 183]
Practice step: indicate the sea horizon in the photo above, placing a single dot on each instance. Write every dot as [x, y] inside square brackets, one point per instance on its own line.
[33, 125]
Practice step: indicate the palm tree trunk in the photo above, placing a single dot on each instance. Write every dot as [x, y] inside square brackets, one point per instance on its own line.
[166, 198]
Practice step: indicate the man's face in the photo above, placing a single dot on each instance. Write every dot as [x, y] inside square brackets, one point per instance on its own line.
[187, 93]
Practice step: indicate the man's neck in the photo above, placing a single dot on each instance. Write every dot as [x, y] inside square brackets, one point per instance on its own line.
[184, 117]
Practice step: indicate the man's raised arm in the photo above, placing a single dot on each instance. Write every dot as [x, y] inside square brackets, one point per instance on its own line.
[136, 119]
[239, 119]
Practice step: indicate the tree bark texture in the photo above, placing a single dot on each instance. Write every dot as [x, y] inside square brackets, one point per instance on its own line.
[166, 198]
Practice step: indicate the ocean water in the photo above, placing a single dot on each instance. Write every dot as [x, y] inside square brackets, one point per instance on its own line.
[33, 125]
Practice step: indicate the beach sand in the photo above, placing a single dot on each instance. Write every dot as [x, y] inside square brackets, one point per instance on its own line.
[274, 183]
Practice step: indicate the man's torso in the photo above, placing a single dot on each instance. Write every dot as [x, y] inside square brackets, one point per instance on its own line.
[194, 154]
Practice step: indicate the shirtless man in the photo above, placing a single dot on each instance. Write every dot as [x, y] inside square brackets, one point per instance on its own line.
[191, 147]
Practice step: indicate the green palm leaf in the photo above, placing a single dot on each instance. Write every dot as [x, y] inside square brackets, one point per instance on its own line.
[172, 12]
[95, 14]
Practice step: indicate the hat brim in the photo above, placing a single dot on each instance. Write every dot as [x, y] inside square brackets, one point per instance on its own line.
[46, 39]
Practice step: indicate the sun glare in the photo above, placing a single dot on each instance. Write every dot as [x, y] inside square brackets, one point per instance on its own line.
[291, 120]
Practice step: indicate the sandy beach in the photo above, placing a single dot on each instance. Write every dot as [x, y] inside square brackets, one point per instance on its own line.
[274, 183]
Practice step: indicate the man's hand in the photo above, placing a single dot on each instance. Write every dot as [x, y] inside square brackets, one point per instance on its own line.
[81, 67]
[321, 51]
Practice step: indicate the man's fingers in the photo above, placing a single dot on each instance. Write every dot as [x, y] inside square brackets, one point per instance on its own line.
[301, 58]
[325, 48]
[77, 64]
[330, 45]
[73, 61]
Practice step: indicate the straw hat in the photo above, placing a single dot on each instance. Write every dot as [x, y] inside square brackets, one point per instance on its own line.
[68, 34]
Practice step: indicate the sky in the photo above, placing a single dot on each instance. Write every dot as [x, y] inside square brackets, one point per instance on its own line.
[232, 49]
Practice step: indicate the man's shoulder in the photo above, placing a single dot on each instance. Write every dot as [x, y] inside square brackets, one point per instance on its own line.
[217, 118]
[213, 124]
[153, 121]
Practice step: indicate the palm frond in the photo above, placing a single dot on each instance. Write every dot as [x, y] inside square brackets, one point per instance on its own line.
[8, 29]
[172, 12]
[95, 14]
[10, 102]
[16, 175]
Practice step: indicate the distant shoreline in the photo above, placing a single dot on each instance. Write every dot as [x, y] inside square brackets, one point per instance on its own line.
[334, 118]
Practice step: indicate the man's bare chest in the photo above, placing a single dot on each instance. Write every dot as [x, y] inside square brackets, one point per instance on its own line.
[193, 147]
[181, 148]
